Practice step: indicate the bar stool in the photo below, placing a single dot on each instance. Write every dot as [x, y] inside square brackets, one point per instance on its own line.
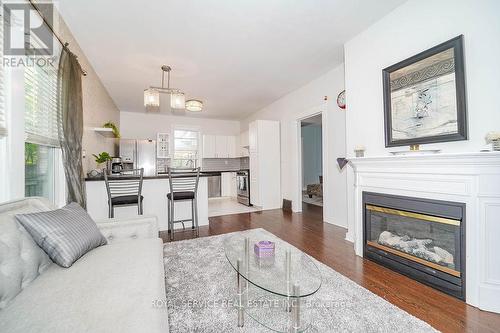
[183, 187]
[124, 189]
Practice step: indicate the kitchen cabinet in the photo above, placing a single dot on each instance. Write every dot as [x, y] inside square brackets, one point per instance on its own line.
[209, 147]
[244, 145]
[231, 147]
[219, 146]
[228, 184]
[254, 180]
[221, 149]
[252, 136]
[265, 164]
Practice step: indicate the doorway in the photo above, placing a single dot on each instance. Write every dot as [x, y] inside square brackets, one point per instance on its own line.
[311, 138]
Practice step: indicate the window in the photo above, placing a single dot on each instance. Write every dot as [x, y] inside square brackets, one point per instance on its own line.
[39, 173]
[40, 83]
[185, 149]
[3, 127]
[3, 121]
[42, 160]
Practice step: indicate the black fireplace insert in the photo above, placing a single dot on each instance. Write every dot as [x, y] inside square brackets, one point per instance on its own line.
[420, 238]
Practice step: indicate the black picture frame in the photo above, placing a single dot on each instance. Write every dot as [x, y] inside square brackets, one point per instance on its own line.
[462, 134]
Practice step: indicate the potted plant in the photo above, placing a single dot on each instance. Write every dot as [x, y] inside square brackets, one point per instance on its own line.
[113, 127]
[102, 158]
[494, 139]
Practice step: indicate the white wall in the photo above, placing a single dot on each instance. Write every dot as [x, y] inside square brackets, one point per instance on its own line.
[140, 125]
[411, 28]
[299, 104]
[312, 166]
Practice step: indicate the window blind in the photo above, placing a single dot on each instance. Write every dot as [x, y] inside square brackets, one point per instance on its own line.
[40, 84]
[185, 148]
[3, 120]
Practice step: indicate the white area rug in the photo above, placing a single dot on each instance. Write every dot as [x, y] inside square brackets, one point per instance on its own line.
[200, 280]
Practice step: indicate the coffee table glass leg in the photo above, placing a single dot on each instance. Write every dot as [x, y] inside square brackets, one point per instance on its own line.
[240, 293]
[288, 277]
[296, 309]
[247, 259]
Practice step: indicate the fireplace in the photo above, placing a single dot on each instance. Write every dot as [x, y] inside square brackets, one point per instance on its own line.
[421, 238]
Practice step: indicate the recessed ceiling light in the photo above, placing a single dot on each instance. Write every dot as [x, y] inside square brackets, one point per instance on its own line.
[194, 105]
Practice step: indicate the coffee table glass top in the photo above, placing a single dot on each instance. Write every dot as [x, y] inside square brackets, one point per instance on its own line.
[271, 273]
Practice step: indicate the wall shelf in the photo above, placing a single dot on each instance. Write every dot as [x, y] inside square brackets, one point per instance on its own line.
[106, 132]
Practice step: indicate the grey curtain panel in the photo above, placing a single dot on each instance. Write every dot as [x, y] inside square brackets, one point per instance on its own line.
[70, 121]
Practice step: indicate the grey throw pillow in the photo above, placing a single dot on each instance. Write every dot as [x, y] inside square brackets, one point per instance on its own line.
[64, 234]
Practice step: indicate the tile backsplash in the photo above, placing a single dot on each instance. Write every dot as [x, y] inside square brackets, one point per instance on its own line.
[211, 164]
[224, 164]
[162, 165]
[244, 162]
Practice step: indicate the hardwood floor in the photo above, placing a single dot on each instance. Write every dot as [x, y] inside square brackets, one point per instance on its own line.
[326, 243]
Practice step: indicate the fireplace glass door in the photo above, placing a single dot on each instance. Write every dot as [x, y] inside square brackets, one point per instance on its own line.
[425, 239]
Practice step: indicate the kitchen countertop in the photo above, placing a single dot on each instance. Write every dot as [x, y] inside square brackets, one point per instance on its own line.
[161, 176]
[165, 176]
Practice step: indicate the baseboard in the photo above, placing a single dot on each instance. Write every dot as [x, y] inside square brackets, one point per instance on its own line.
[349, 236]
[330, 220]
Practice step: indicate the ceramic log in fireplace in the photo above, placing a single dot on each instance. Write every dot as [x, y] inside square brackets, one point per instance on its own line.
[421, 238]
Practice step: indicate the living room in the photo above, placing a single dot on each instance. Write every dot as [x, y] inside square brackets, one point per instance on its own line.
[250, 166]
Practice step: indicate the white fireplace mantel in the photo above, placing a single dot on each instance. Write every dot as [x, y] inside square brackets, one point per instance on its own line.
[470, 178]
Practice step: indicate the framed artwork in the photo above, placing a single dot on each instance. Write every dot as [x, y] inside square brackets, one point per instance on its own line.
[424, 97]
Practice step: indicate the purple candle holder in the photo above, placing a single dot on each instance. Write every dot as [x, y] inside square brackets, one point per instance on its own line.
[264, 249]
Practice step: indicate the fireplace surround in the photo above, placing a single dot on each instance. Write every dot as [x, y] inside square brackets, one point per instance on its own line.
[421, 238]
[470, 178]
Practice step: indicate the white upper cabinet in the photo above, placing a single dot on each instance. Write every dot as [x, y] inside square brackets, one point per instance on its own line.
[231, 146]
[219, 146]
[221, 150]
[209, 146]
[244, 145]
[253, 137]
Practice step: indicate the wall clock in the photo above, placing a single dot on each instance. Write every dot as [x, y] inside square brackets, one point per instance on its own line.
[341, 100]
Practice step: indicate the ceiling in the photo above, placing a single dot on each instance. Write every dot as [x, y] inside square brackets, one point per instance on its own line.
[237, 56]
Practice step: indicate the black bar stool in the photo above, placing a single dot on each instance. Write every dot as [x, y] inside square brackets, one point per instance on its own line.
[124, 189]
[183, 187]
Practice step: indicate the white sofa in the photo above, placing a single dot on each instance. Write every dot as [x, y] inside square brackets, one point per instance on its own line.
[110, 289]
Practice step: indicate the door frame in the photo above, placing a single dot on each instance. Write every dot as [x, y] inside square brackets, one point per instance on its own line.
[318, 110]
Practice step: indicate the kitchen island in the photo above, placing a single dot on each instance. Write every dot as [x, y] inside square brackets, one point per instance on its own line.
[154, 190]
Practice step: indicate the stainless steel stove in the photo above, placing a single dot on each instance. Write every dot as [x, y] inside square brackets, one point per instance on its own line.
[243, 187]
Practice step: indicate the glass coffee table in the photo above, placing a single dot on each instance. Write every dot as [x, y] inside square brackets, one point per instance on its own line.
[272, 290]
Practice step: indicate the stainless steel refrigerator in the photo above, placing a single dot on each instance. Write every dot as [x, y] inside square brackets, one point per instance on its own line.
[139, 154]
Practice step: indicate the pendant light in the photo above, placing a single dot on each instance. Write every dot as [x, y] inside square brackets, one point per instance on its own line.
[152, 100]
[177, 100]
[177, 97]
